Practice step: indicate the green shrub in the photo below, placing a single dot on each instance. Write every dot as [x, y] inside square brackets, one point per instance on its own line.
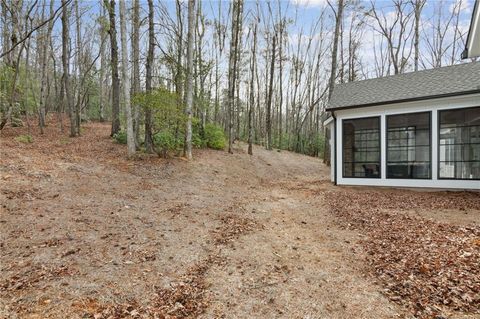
[165, 141]
[121, 137]
[180, 140]
[318, 145]
[214, 137]
[198, 141]
[24, 139]
[314, 145]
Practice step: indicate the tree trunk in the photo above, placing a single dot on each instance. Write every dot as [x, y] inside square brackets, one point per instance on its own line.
[148, 77]
[252, 89]
[103, 60]
[270, 95]
[178, 67]
[66, 68]
[189, 106]
[43, 82]
[136, 66]
[79, 69]
[418, 6]
[114, 66]
[126, 81]
[237, 10]
[333, 69]
[280, 74]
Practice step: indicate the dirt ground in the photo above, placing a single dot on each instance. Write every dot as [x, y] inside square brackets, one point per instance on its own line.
[86, 233]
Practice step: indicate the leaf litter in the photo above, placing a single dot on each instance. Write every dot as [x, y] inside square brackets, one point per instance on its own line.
[186, 297]
[429, 267]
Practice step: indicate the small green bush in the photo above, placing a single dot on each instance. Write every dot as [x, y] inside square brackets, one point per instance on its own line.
[180, 140]
[214, 137]
[165, 141]
[318, 145]
[24, 139]
[121, 137]
[198, 141]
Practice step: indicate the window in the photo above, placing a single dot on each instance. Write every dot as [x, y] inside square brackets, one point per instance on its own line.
[361, 148]
[408, 146]
[459, 144]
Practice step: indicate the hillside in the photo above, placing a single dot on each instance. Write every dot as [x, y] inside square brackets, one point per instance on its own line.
[86, 233]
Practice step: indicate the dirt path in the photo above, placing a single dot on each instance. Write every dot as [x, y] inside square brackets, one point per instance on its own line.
[299, 266]
[84, 233]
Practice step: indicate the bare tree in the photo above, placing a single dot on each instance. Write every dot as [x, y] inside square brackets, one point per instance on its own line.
[273, 93]
[114, 66]
[103, 61]
[46, 35]
[396, 33]
[252, 86]
[442, 35]
[333, 70]
[136, 65]
[417, 9]
[237, 12]
[189, 93]
[148, 76]
[126, 80]
[270, 94]
[68, 102]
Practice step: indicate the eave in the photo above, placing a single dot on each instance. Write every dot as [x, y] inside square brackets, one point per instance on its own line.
[421, 98]
[472, 47]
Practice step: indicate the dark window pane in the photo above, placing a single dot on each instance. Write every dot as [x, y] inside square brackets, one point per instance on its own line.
[408, 145]
[361, 148]
[473, 116]
[459, 144]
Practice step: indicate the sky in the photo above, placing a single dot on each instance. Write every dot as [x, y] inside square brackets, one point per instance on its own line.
[304, 15]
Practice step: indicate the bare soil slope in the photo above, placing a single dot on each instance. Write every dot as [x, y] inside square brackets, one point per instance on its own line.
[85, 233]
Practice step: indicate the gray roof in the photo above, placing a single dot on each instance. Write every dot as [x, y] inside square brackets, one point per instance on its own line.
[421, 85]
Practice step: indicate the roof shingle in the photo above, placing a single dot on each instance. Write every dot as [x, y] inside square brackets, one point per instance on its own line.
[450, 80]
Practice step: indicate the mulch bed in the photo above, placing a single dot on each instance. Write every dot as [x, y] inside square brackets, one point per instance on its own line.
[431, 268]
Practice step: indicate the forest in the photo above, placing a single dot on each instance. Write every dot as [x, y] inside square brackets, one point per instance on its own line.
[169, 159]
[172, 75]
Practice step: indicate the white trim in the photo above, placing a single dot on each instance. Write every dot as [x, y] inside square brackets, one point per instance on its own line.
[411, 183]
[332, 149]
[383, 145]
[434, 141]
[382, 111]
[328, 121]
[473, 41]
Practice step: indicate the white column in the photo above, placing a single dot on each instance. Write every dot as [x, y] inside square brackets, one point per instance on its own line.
[339, 151]
[434, 144]
[383, 146]
[331, 127]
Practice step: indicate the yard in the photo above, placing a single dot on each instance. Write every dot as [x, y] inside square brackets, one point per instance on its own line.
[86, 233]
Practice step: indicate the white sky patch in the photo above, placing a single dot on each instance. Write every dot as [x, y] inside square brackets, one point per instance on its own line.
[309, 3]
[465, 6]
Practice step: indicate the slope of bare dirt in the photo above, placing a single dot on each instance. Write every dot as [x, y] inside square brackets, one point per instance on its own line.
[86, 233]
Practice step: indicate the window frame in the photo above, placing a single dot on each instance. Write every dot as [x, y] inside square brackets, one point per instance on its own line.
[438, 144]
[430, 170]
[379, 146]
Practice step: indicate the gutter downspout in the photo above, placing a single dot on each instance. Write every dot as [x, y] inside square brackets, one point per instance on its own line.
[334, 148]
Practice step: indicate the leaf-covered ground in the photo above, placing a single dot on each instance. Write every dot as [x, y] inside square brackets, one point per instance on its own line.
[431, 267]
[86, 233]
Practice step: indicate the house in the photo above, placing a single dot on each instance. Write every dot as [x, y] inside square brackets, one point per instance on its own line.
[418, 129]
[472, 48]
